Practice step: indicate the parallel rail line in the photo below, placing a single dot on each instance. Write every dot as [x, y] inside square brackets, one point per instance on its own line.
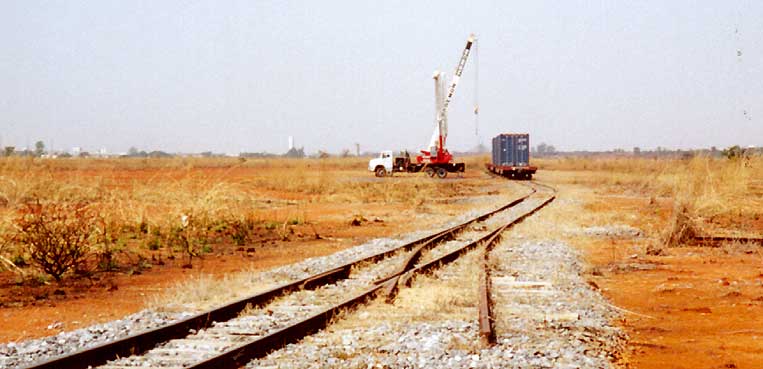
[141, 342]
[242, 354]
[486, 316]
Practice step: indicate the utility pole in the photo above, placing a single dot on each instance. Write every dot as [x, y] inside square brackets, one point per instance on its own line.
[357, 149]
[476, 93]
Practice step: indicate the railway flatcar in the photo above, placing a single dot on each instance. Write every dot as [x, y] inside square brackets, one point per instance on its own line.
[511, 156]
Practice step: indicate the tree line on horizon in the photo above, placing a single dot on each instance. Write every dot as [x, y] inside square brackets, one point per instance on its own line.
[540, 150]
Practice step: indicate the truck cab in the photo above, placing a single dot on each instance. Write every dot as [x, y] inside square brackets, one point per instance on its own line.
[382, 165]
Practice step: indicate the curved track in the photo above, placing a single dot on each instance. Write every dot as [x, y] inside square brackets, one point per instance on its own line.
[239, 353]
[486, 316]
[245, 352]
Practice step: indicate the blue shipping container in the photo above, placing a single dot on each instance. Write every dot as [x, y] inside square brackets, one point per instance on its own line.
[511, 149]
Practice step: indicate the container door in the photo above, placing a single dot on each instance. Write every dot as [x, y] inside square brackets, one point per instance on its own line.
[523, 150]
[504, 149]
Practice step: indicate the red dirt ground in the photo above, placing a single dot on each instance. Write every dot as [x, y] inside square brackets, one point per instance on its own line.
[695, 307]
[118, 295]
[689, 308]
[27, 310]
[31, 309]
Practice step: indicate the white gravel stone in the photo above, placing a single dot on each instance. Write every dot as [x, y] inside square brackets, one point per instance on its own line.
[529, 335]
[15, 354]
[616, 231]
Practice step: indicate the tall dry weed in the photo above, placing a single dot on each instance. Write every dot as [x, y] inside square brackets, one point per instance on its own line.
[707, 187]
[681, 227]
[143, 200]
[702, 187]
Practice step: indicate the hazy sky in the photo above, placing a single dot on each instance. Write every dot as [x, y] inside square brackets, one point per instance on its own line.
[233, 76]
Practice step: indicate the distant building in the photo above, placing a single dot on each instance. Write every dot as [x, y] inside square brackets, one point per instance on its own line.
[76, 151]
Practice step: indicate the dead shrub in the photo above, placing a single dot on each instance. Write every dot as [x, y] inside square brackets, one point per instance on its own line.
[190, 237]
[681, 227]
[240, 230]
[654, 249]
[57, 236]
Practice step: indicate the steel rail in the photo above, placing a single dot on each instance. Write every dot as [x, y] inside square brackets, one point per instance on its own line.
[392, 288]
[390, 291]
[485, 304]
[242, 354]
[715, 241]
[141, 342]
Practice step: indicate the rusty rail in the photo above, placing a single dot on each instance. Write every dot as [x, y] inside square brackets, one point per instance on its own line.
[246, 352]
[141, 342]
[242, 354]
[715, 241]
[485, 304]
[392, 287]
[485, 319]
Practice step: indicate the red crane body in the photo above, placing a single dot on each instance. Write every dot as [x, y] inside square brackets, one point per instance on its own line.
[437, 153]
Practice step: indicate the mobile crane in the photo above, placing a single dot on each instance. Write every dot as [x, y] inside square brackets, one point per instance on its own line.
[435, 159]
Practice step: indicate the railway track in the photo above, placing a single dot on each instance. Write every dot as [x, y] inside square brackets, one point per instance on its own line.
[545, 312]
[486, 316]
[409, 270]
[416, 263]
[313, 300]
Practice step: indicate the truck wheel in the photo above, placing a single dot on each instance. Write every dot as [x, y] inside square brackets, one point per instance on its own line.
[381, 172]
[429, 171]
[442, 173]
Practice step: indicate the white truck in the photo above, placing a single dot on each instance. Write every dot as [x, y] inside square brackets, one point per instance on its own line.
[387, 163]
[436, 159]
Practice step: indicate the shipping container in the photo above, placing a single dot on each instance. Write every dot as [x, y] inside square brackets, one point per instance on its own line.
[511, 149]
[511, 156]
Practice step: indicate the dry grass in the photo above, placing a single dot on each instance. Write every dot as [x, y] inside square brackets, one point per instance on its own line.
[706, 188]
[205, 291]
[701, 187]
[435, 297]
[148, 198]
[671, 200]
[703, 175]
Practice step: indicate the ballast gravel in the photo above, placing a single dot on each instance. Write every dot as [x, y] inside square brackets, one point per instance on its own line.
[17, 354]
[614, 231]
[276, 315]
[24, 353]
[547, 317]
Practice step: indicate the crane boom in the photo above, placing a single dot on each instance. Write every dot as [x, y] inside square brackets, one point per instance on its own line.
[456, 77]
[437, 152]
